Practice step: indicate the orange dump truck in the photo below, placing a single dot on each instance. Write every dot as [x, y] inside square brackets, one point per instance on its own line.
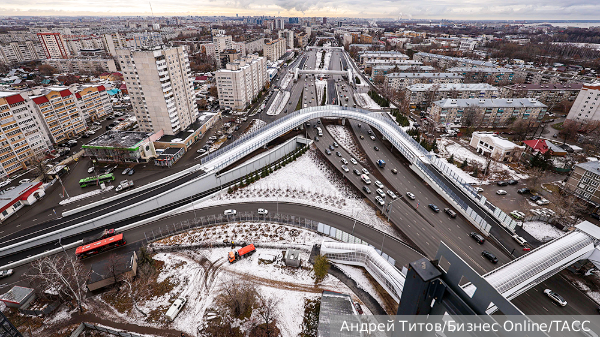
[241, 253]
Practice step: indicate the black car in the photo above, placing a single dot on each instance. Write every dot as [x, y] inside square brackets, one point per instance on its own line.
[595, 216]
[434, 208]
[317, 138]
[523, 191]
[502, 183]
[338, 153]
[489, 256]
[375, 148]
[331, 147]
[512, 182]
[357, 172]
[370, 132]
[450, 212]
[367, 189]
[535, 198]
[480, 240]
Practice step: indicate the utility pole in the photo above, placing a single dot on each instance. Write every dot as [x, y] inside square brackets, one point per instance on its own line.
[63, 186]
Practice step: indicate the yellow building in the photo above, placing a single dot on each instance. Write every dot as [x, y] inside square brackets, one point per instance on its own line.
[62, 117]
[94, 102]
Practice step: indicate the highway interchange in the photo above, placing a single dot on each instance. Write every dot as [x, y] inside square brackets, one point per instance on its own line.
[420, 224]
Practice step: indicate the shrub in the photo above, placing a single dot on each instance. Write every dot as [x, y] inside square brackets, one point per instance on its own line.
[320, 268]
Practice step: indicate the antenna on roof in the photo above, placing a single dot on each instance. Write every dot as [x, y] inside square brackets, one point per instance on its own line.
[151, 11]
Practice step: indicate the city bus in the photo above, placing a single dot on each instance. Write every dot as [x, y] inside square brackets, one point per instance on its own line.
[96, 180]
[100, 246]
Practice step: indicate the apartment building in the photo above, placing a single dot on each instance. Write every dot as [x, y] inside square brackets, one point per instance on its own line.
[302, 39]
[399, 81]
[112, 42]
[76, 43]
[500, 112]
[54, 45]
[444, 61]
[161, 88]
[586, 107]
[498, 148]
[288, 35]
[382, 70]
[221, 43]
[22, 135]
[490, 74]
[584, 181]
[468, 45]
[57, 107]
[400, 63]
[549, 94]
[82, 65]
[421, 94]
[16, 52]
[241, 81]
[385, 56]
[274, 49]
[93, 101]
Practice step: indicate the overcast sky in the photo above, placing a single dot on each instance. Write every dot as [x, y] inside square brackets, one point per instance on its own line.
[428, 9]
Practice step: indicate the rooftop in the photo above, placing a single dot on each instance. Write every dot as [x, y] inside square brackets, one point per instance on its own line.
[592, 166]
[118, 139]
[480, 70]
[457, 59]
[20, 192]
[101, 269]
[426, 75]
[452, 86]
[498, 141]
[16, 294]
[183, 134]
[490, 103]
[557, 86]
[334, 304]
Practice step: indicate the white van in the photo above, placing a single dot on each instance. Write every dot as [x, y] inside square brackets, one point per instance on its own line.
[319, 131]
[366, 179]
[230, 212]
[175, 308]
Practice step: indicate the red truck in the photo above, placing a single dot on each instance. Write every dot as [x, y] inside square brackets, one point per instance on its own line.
[241, 253]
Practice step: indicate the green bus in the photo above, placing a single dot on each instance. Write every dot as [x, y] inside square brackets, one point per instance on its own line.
[96, 180]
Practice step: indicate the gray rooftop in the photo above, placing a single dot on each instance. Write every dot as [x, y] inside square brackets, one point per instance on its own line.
[334, 304]
[457, 59]
[16, 294]
[480, 70]
[452, 86]
[490, 103]
[424, 75]
[404, 67]
[372, 53]
[6, 197]
[592, 166]
[544, 87]
[118, 139]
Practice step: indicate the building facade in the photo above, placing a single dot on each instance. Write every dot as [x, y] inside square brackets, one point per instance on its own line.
[161, 88]
[491, 145]
[399, 81]
[16, 52]
[274, 49]
[54, 45]
[490, 74]
[385, 56]
[57, 108]
[288, 35]
[241, 81]
[586, 107]
[82, 65]
[549, 94]
[475, 112]
[584, 182]
[444, 61]
[94, 102]
[424, 93]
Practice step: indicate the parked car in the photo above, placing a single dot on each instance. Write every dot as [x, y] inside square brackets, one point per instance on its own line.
[125, 171]
[480, 240]
[478, 189]
[201, 151]
[595, 216]
[6, 273]
[345, 168]
[434, 208]
[523, 191]
[535, 198]
[394, 171]
[512, 182]
[262, 211]
[502, 183]
[130, 172]
[501, 192]
[379, 200]
[367, 189]
[230, 212]
[450, 212]
[410, 196]
[519, 240]
[91, 170]
[555, 297]
[489, 256]
[5, 183]
[24, 181]
[517, 215]
[543, 201]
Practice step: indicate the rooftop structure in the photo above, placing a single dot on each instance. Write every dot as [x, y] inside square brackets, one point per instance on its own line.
[491, 103]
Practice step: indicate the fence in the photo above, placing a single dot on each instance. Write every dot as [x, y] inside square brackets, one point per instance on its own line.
[278, 218]
[47, 310]
[85, 326]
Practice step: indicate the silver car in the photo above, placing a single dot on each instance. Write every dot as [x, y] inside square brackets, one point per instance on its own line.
[555, 297]
[410, 196]
[380, 192]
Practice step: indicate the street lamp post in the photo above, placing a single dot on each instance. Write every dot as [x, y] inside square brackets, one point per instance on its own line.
[63, 186]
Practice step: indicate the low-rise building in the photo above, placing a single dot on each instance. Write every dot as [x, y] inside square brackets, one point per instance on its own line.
[584, 181]
[549, 94]
[82, 65]
[122, 147]
[382, 70]
[386, 56]
[425, 93]
[399, 81]
[542, 146]
[18, 297]
[586, 107]
[22, 195]
[500, 112]
[335, 304]
[444, 61]
[241, 81]
[169, 156]
[490, 74]
[498, 148]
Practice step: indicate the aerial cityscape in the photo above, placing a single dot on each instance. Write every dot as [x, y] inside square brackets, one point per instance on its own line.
[265, 168]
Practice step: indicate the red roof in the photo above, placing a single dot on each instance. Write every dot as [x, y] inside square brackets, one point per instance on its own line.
[94, 245]
[65, 93]
[123, 87]
[101, 88]
[14, 99]
[77, 95]
[40, 100]
[23, 196]
[537, 144]
[201, 78]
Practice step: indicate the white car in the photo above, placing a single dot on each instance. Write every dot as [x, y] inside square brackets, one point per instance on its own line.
[380, 192]
[555, 297]
[176, 308]
[372, 137]
[517, 215]
[410, 196]
[262, 211]
[519, 240]
[230, 212]
[345, 168]
[378, 184]
[5, 273]
[91, 169]
[344, 161]
[392, 194]
[365, 171]
[24, 181]
[5, 183]
[353, 161]
[501, 192]
[547, 211]
[380, 200]
[543, 202]
[478, 189]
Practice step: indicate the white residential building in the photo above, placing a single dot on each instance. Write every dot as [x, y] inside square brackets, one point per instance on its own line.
[586, 107]
[399, 81]
[161, 88]
[241, 81]
[491, 145]
[94, 102]
[385, 56]
[421, 93]
[16, 52]
[274, 49]
[54, 45]
[221, 42]
[288, 35]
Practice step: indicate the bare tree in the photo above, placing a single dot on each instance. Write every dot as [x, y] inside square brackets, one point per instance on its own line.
[237, 296]
[130, 281]
[569, 209]
[268, 311]
[62, 274]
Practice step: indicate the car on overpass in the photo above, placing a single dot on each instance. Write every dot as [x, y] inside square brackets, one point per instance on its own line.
[434, 208]
[489, 256]
[555, 297]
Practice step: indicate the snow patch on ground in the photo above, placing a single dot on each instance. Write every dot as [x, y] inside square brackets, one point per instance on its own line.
[498, 171]
[542, 231]
[85, 195]
[286, 80]
[279, 103]
[357, 274]
[320, 88]
[343, 136]
[254, 126]
[313, 184]
[594, 295]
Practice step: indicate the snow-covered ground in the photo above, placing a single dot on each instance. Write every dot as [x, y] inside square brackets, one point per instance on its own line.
[365, 101]
[286, 80]
[498, 171]
[85, 195]
[279, 103]
[583, 287]
[343, 136]
[357, 274]
[320, 89]
[312, 184]
[254, 126]
[542, 231]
